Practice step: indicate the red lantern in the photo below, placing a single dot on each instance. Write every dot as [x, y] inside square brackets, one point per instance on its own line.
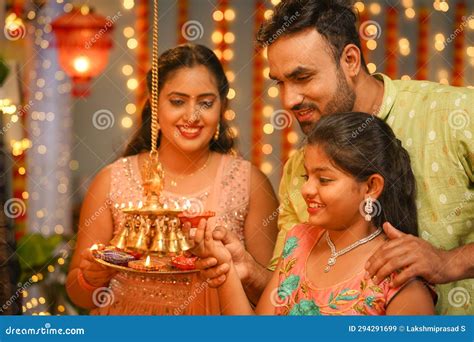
[84, 41]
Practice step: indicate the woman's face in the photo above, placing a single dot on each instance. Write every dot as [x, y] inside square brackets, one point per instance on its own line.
[189, 109]
[332, 196]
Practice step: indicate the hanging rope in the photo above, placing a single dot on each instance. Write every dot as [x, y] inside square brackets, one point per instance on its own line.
[154, 85]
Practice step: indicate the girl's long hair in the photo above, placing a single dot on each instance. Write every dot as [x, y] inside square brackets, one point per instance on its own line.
[362, 145]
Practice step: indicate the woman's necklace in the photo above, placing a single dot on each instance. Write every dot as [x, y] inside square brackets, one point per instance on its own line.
[334, 254]
[174, 180]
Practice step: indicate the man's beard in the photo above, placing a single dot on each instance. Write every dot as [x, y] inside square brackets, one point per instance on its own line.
[342, 101]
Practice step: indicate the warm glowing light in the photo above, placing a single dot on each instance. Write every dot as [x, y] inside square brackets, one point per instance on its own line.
[470, 23]
[234, 131]
[267, 149]
[359, 5]
[128, 32]
[131, 108]
[128, 4]
[229, 14]
[147, 261]
[132, 84]
[292, 137]
[132, 43]
[218, 53]
[229, 115]
[266, 72]
[230, 75]
[375, 8]
[273, 92]
[371, 44]
[470, 51]
[268, 128]
[444, 6]
[7, 107]
[68, 7]
[439, 45]
[410, 13]
[268, 14]
[372, 67]
[42, 149]
[217, 37]
[228, 54]
[404, 46]
[218, 15]
[268, 111]
[85, 10]
[127, 122]
[229, 37]
[82, 64]
[231, 94]
[266, 168]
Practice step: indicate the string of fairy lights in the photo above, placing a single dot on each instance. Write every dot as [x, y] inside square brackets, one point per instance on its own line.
[223, 38]
[272, 93]
[30, 303]
[127, 69]
[410, 13]
[33, 302]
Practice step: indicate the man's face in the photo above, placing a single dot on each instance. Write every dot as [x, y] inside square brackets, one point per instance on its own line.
[311, 85]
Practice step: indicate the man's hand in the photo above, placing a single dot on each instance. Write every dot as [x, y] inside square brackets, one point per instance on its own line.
[412, 255]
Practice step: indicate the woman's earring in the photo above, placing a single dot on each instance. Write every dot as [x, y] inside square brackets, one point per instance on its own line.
[216, 135]
[368, 208]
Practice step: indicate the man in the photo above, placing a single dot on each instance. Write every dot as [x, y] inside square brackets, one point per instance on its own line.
[317, 64]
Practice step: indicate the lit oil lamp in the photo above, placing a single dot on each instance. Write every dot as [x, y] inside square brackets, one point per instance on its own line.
[195, 218]
[147, 265]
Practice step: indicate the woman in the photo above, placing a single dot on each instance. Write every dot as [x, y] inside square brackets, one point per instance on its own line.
[195, 150]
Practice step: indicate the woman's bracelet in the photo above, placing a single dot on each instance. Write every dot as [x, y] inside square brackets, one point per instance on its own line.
[83, 282]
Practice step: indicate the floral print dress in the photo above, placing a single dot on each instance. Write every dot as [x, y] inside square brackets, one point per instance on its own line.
[298, 296]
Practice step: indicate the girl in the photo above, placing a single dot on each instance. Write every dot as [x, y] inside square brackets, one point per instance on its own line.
[195, 150]
[358, 176]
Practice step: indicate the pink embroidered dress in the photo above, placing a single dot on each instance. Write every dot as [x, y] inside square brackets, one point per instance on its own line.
[298, 296]
[227, 195]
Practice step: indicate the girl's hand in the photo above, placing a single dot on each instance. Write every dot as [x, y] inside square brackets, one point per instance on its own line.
[94, 273]
[205, 246]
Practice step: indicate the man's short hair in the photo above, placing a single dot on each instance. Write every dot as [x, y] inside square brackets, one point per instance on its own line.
[335, 20]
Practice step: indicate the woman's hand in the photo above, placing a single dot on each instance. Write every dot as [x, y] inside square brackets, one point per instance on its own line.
[94, 273]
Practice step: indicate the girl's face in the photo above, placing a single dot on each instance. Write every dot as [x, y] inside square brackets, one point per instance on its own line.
[332, 196]
[189, 109]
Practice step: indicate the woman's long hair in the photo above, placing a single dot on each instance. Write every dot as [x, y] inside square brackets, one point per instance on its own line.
[185, 56]
[362, 145]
